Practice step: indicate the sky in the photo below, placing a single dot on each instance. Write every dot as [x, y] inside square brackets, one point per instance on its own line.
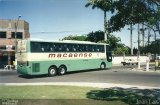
[56, 19]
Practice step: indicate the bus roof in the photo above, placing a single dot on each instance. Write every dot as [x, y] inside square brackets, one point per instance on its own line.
[66, 41]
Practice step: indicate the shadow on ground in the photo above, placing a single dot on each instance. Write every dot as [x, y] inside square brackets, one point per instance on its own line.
[68, 73]
[131, 96]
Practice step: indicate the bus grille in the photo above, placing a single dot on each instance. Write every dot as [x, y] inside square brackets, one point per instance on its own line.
[35, 67]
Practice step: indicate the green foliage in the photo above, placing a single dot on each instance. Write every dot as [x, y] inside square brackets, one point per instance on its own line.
[79, 38]
[117, 47]
[95, 36]
[154, 21]
[104, 5]
[43, 92]
[125, 12]
[113, 41]
[153, 48]
[121, 48]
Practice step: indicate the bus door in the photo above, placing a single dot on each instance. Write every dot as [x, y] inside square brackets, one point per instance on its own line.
[109, 53]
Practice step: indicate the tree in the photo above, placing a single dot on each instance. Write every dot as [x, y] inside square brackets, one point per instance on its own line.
[126, 12]
[121, 48]
[95, 36]
[154, 22]
[113, 41]
[79, 38]
[104, 5]
[116, 45]
[132, 12]
[154, 47]
[98, 37]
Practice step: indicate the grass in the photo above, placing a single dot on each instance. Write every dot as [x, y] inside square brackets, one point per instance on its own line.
[72, 95]
[43, 92]
[52, 95]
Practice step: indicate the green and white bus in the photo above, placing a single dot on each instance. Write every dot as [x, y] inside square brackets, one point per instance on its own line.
[36, 57]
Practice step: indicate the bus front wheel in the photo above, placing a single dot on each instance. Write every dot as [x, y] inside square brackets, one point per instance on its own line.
[102, 66]
[62, 70]
[52, 71]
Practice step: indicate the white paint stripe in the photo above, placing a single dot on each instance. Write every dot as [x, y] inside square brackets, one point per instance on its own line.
[83, 84]
[53, 56]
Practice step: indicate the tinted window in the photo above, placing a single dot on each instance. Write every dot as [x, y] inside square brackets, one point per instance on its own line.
[35, 47]
[19, 35]
[2, 34]
[100, 48]
[64, 47]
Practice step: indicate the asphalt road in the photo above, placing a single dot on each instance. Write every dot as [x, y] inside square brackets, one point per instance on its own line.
[117, 75]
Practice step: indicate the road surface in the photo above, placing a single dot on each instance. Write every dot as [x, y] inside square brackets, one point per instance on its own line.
[117, 75]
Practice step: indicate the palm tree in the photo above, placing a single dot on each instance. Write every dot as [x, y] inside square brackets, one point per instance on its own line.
[104, 5]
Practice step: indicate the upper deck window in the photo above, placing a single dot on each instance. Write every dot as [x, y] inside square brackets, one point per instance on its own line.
[65, 47]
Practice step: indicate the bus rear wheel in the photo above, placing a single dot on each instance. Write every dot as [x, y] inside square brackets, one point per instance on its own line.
[102, 66]
[52, 71]
[62, 70]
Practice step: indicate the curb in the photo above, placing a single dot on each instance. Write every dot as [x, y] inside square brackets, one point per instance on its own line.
[81, 84]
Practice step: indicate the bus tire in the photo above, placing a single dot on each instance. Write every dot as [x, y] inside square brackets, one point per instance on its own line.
[102, 66]
[62, 70]
[52, 71]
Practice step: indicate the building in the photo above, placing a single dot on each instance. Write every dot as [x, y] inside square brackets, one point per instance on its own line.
[10, 32]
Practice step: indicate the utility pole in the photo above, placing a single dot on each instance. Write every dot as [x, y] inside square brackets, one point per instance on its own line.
[131, 40]
[105, 26]
[149, 35]
[143, 34]
[16, 26]
[138, 53]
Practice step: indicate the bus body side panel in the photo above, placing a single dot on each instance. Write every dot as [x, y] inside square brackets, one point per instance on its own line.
[41, 67]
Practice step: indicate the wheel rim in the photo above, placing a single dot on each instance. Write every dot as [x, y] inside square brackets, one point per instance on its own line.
[62, 70]
[52, 71]
[102, 66]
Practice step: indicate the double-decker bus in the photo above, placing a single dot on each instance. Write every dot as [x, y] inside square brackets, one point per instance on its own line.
[36, 57]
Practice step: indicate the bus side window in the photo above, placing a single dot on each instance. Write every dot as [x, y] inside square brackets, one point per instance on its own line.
[59, 47]
[64, 47]
[74, 48]
[47, 47]
[42, 49]
[42, 46]
[97, 50]
[102, 48]
[51, 49]
[94, 48]
[83, 48]
[56, 47]
[79, 48]
[68, 47]
[91, 48]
